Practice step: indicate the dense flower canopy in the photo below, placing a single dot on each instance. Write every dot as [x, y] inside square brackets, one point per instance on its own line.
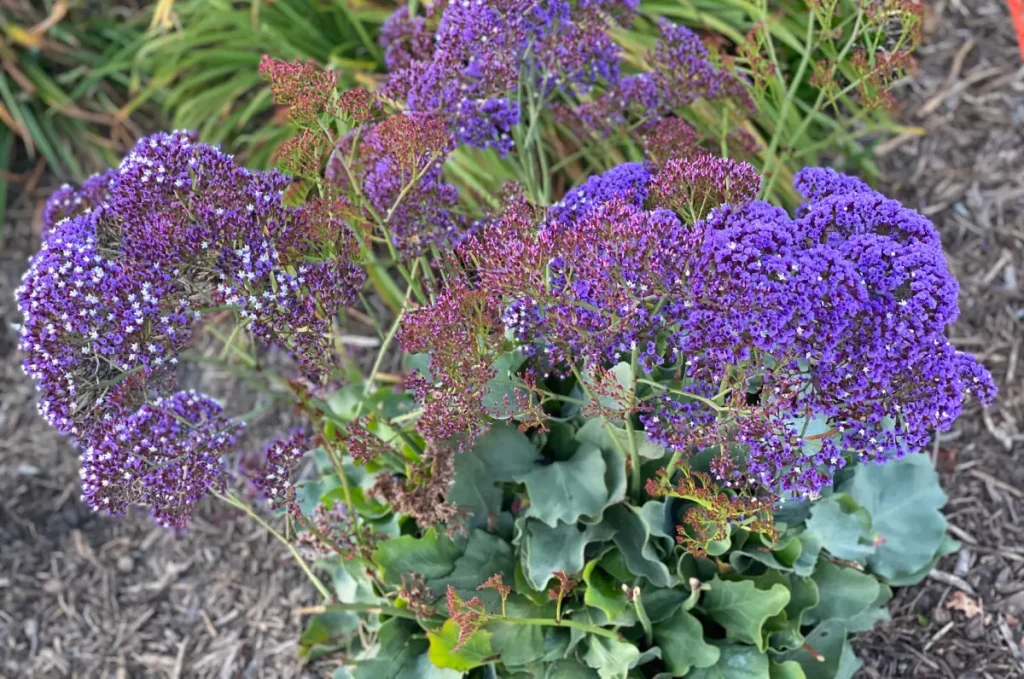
[821, 336]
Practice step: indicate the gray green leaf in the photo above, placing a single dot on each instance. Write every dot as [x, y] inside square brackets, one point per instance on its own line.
[681, 640]
[844, 528]
[633, 538]
[843, 593]
[610, 657]
[736, 662]
[904, 500]
[742, 609]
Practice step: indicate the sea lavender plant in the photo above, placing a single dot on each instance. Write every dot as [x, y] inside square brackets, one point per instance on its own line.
[650, 406]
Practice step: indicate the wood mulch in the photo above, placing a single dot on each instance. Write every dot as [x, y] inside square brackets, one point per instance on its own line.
[967, 174]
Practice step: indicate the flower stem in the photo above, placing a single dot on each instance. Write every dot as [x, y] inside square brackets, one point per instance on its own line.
[237, 503]
[634, 455]
[550, 622]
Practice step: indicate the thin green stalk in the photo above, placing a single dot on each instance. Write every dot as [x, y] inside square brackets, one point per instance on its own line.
[411, 615]
[604, 420]
[634, 454]
[703, 399]
[549, 622]
[773, 147]
[238, 504]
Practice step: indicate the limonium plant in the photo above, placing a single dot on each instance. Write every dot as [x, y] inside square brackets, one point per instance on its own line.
[652, 425]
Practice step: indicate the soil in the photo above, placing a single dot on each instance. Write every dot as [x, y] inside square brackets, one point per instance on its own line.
[87, 596]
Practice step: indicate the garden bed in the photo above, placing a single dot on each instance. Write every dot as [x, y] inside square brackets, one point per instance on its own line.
[86, 595]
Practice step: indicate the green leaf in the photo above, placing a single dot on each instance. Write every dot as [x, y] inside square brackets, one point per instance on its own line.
[485, 555]
[875, 613]
[829, 640]
[521, 645]
[602, 591]
[785, 628]
[565, 491]
[904, 500]
[843, 593]
[661, 604]
[523, 586]
[810, 547]
[781, 558]
[569, 669]
[947, 546]
[499, 456]
[645, 447]
[431, 556]
[658, 516]
[736, 662]
[633, 538]
[681, 640]
[544, 550]
[402, 654]
[843, 527]
[474, 653]
[742, 609]
[610, 657]
[506, 452]
[475, 489]
[787, 670]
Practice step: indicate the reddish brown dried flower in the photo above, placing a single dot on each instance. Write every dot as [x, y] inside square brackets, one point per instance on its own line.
[670, 138]
[695, 185]
[609, 398]
[304, 154]
[713, 511]
[417, 595]
[415, 141]
[566, 584]
[495, 582]
[422, 494]
[333, 531]
[363, 445]
[358, 106]
[468, 615]
[303, 87]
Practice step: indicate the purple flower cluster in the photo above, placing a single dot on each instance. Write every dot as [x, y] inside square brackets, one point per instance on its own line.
[166, 455]
[821, 336]
[273, 478]
[680, 72]
[627, 181]
[69, 201]
[399, 167]
[470, 70]
[126, 269]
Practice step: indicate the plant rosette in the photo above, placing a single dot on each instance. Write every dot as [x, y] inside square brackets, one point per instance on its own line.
[555, 572]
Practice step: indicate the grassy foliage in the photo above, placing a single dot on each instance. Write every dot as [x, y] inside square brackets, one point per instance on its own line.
[205, 70]
[65, 75]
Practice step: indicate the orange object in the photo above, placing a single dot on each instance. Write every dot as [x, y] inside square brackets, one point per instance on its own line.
[1017, 14]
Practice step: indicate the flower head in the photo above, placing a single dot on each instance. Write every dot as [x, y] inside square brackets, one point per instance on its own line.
[166, 456]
